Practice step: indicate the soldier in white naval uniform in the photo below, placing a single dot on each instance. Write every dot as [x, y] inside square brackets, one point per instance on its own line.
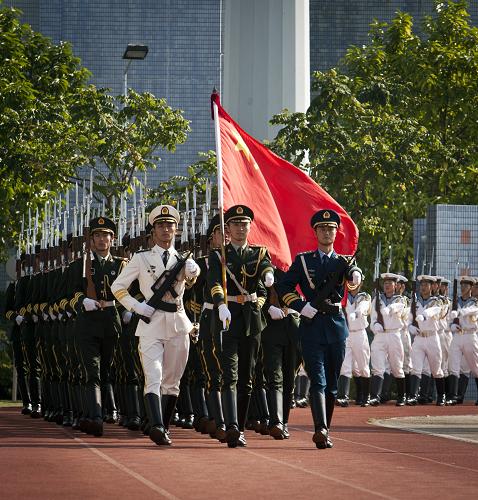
[427, 343]
[404, 333]
[387, 342]
[357, 348]
[164, 341]
[465, 334]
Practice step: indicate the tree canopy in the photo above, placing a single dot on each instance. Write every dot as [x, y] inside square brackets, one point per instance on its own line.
[393, 129]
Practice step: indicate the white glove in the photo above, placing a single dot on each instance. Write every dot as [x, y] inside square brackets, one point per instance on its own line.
[268, 279]
[224, 315]
[68, 313]
[454, 314]
[191, 269]
[276, 312]
[19, 319]
[352, 316]
[143, 309]
[377, 328]
[35, 318]
[386, 310]
[308, 311]
[455, 328]
[413, 329]
[52, 316]
[127, 315]
[90, 304]
[356, 278]
[60, 316]
[396, 307]
[420, 318]
[45, 316]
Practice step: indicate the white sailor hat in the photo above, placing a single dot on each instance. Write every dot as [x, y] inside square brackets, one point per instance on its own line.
[444, 281]
[390, 276]
[426, 277]
[467, 279]
[402, 279]
[164, 213]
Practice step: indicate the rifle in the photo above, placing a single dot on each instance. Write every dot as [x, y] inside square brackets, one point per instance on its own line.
[378, 256]
[320, 300]
[163, 285]
[413, 305]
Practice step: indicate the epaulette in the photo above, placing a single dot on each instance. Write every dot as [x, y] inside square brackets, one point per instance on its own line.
[143, 250]
[117, 257]
[305, 253]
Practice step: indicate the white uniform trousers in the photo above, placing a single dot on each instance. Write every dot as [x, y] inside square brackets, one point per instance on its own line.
[407, 350]
[357, 355]
[466, 346]
[163, 363]
[445, 341]
[427, 348]
[387, 345]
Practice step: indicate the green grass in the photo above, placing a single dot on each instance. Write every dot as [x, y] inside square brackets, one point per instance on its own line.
[5, 403]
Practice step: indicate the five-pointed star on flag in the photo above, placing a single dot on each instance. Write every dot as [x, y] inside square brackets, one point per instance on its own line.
[242, 146]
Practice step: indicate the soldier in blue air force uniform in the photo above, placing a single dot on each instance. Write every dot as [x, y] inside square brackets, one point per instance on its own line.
[321, 274]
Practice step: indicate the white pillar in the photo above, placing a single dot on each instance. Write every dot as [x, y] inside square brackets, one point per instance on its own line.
[266, 61]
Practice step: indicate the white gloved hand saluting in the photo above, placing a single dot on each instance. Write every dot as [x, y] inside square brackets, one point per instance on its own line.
[224, 315]
[126, 316]
[276, 313]
[356, 278]
[268, 279]
[19, 319]
[191, 269]
[143, 309]
[308, 311]
[90, 305]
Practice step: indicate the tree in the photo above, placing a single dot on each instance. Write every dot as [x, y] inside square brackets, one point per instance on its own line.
[39, 82]
[393, 129]
[125, 135]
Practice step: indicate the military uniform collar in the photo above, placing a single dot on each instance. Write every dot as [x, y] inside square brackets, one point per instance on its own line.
[237, 247]
[160, 250]
[321, 254]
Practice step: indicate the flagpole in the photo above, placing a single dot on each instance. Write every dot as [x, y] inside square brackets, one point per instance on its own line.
[220, 196]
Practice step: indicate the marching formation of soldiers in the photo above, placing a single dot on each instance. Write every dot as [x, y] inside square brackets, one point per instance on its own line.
[135, 328]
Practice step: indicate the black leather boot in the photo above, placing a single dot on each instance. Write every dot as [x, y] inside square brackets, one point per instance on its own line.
[365, 391]
[93, 398]
[413, 396]
[132, 404]
[425, 381]
[386, 387]
[319, 416]
[111, 412]
[452, 390]
[215, 407]
[24, 394]
[157, 432]
[276, 405]
[243, 401]
[401, 399]
[201, 414]
[229, 409]
[440, 387]
[343, 391]
[67, 405]
[375, 390]
[168, 404]
[462, 386]
[35, 391]
[263, 412]
[287, 403]
[359, 396]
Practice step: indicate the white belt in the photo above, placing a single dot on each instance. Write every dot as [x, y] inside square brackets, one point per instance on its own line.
[393, 330]
[427, 334]
[106, 303]
[240, 299]
[207, 305]
[358, 331]
[467, 332]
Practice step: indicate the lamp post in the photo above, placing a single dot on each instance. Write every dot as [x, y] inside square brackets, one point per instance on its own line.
[133, 52]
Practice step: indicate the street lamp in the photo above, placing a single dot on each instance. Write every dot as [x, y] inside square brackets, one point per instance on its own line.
[132, 52]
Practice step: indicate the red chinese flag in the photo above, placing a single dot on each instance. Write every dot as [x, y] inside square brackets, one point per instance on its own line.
[282, 197]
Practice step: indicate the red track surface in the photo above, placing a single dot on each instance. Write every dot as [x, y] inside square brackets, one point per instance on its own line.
[41, 460]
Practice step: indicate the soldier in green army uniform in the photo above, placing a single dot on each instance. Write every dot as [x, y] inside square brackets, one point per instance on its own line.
[237, 347]
[281, 358]
[15, 338]
[98, 323]
[200, 306]
[25, 320]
